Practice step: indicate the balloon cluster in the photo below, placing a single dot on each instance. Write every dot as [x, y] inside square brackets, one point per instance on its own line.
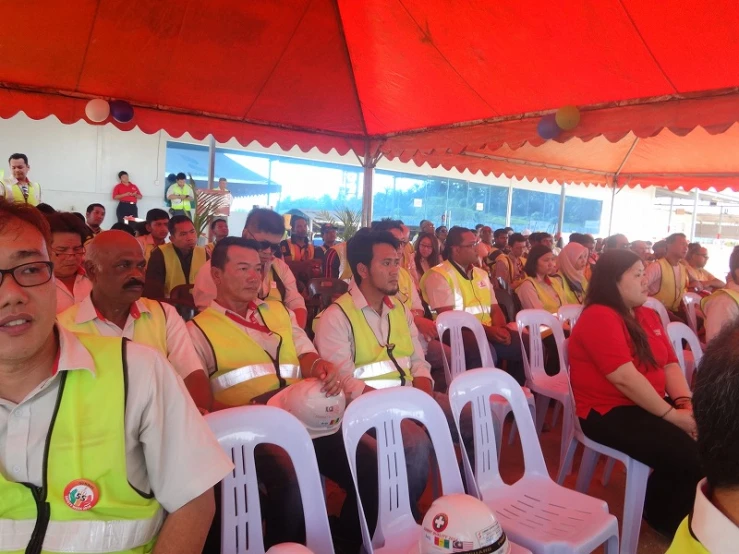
[565, 119]
[98, 110]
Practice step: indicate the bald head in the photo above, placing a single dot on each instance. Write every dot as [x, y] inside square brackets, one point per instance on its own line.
[642, 248]
[108, 243]
[116, 266]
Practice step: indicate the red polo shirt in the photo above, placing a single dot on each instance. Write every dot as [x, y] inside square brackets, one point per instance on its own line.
[600, 344]
[129, 189]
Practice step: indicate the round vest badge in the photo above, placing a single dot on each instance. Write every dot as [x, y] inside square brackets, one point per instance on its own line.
[81, 495]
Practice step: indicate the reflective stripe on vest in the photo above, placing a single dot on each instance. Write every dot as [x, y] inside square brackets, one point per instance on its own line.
[378, 369]
[174, 276]
[671, 292]
[248, 372]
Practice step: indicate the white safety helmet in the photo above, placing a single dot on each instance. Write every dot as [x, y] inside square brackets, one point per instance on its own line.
[461, 524]
[289, 548]
[320, 414]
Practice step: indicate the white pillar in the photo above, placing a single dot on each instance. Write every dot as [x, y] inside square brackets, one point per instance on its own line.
[509, 206]
[561, 221]
[211, 162]
[613, 204]
[368, 163]
[696, 195]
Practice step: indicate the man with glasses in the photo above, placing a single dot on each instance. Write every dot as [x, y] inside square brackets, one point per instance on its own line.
[68, 235]
[267, 228]
[700, 277]
[457, 284]
[95, 432]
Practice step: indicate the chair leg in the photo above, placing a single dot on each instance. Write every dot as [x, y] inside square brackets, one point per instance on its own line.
[587, 467]
[612, 545]
[566, 466]
[636, 488]
[607, 471]
[542, 404]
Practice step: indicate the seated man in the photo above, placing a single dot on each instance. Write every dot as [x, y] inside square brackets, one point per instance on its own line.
[96, 433]
[667, 278]
[175, 263]
[68, 236]
[251, 347]
[298, 248]
[509, 268]
[219, 229]
[157, 224]
[722, 307]
[114, 308]
[713, 526]
[698, 275]
[278, 282]
[457, 285]
[335, 265]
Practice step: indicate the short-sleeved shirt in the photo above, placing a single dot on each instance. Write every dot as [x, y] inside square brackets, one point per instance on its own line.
[130, 189]
[600, 344]
[66, 298]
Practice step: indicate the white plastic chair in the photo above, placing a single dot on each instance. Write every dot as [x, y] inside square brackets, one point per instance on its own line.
[569, 313]
[637, 473]
[679, 332]
[239, 431]
[692, 303]
[384, 410]
[658, 307]
[454, 322]
[535, 512]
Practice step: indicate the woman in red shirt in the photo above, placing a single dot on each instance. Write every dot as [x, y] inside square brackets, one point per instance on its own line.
[127, 195]
[622, 366]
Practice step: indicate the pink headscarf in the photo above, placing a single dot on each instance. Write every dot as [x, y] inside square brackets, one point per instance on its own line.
[567, 258]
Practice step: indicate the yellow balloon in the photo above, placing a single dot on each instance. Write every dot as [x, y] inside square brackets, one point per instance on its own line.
[567, 117]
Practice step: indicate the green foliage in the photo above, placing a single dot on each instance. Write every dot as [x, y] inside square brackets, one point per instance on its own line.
[206, 207]
[347, 219]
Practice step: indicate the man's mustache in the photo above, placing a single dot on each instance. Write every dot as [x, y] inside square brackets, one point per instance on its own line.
[133, 283]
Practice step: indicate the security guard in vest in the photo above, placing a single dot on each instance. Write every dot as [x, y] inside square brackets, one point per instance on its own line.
[17, 187]
[457, 284]
[175, 263]
[251, 348]
[667, 278]
[180, 195]
[298, 248]
[115, 265]
[96, 433]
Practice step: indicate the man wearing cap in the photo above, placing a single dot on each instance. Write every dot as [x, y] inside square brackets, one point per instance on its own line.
[101, 450]
[328, 234]
[252, 348]
[115, 265]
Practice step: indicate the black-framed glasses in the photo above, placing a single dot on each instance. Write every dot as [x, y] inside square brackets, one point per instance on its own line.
[31, 274]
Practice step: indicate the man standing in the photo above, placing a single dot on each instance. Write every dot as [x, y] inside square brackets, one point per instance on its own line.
[219, 230]
[298, 248]
[95, 432]
[17, 187]
[457, 284]
[95, 215]
[224, 211]
[175, 263]
[127, 195]
[667, 278]
[157, 223]
[181, 195]
[68, 236]
[115, 265]
[509, 268]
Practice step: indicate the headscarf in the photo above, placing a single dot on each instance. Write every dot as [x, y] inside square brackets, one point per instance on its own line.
[567, 259]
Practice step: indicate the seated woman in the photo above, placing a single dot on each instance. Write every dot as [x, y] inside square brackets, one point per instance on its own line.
[427, 254]
[572, 263]
[541, 290]
[722, 306]
[621, 367]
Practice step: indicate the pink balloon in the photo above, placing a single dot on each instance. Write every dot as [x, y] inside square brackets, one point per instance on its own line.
[97, 110]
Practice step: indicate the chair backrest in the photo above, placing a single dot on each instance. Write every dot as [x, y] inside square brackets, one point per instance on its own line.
[326, 289]
[182, 294]
[533, 320]
[476, 386]
[679, 332]
[506, 303]
[454, 321]
[692, 302]
[569, 312]
[239, 431]
[658, 307]
[384, 410]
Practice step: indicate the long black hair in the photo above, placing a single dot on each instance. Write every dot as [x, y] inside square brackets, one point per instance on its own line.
[532, 260]
[603, 290]
[434, 258]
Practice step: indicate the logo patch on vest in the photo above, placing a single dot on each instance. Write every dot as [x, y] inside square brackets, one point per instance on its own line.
[81, 495]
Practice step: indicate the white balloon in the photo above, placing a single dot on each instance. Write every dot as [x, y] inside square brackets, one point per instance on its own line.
[289, 548]
[97, 110]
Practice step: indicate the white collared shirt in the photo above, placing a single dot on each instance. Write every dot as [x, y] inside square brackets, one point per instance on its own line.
[720, 310]
[335, 339]
[170, 450]
[268, 341]
[716, 532]
[66, 299]
[180, 351]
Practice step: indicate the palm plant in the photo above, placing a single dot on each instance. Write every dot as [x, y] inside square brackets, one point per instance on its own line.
[207, 206]
[348, 219]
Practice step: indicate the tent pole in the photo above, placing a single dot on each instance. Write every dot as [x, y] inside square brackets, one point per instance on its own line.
[509, 206]
[211, 162]
[669, 217]
[613, 203]
[368, 163]
[561, 221]
[696, 197]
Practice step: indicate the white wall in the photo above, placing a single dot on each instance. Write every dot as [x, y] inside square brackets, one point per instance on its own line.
[78, 164]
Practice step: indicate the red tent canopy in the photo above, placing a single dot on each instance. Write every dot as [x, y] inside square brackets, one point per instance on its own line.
[432, 80]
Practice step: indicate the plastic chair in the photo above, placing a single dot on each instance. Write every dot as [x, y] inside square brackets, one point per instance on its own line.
[535, 512]
[637, 473]
[506, 303]
[454, 322]
[384, 410]
[679, 332]
[659, 307]
[326, 289]
[692, 302]
[569, 313]
[239, 431]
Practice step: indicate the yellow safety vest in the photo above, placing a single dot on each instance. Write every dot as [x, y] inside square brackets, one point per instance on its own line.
[296, 253]
[405, 288]
[34, 193]
[149, 329]
[473, 296]
[572, 297]
[243, 368]
[380, 365]
[550, 304]
[345, 272]
[174, 276]
[178, 204]
[671, 292]
[732, 293]
[86, 455]
[684, 542]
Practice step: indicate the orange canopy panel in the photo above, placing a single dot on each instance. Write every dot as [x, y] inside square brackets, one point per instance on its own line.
[411, 78]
